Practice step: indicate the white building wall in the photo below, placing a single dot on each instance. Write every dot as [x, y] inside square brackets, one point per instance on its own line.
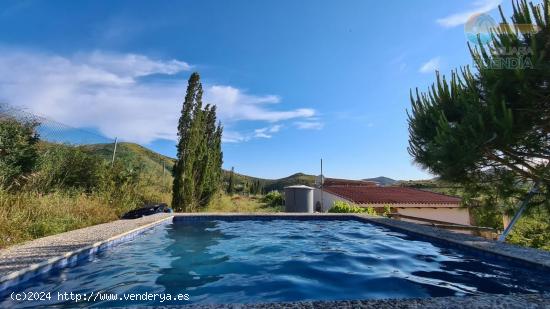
[453, 215]
[442, 212]
[328, 199]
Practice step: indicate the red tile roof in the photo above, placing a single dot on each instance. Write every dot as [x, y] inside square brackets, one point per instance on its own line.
[394, 195]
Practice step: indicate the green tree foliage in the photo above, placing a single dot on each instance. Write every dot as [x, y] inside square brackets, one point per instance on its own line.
[273, 199]
[18, 151]
[491, 126]
[197, 172]
[230, 182]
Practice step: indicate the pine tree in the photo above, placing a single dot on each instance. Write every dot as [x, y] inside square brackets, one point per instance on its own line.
[489, 128]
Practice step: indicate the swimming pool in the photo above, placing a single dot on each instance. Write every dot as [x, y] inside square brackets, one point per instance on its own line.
[251, 261]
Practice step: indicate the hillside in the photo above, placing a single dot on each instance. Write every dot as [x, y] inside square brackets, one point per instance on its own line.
[382, 180]
[295, 179]
[134, 154]
[152, 162]
[270, 184]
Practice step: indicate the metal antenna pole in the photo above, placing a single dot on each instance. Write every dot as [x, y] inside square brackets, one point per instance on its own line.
[114, 152]
[523, 204]
[321, 180]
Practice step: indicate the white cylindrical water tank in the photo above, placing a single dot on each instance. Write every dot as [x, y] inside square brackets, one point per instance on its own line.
[299, 198]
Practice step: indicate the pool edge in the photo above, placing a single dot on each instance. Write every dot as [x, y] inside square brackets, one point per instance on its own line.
[68, 258]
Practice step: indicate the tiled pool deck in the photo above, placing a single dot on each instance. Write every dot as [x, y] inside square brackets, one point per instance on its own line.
[22, 262]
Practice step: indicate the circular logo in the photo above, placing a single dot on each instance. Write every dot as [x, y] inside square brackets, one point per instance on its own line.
[478, 28]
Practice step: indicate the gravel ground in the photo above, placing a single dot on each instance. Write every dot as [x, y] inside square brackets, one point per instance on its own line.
[526, 301]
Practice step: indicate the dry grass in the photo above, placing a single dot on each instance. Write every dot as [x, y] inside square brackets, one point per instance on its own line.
[238, 203]
[29, 215]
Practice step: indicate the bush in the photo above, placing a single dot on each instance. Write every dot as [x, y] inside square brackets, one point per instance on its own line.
[532, 229]
[344, 207]
[273, 199]
[18, 151]
[67, 167]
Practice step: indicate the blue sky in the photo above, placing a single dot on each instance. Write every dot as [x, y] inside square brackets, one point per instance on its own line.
[294, 80]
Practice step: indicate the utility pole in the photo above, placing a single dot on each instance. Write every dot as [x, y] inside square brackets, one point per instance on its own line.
[114, 152]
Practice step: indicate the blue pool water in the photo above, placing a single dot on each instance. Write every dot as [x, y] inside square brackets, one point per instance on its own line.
[278, 260]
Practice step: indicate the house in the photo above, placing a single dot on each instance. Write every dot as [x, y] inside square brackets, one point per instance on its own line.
[401, 200]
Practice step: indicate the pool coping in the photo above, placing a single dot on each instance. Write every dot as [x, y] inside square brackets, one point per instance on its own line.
[22, 262]
[112, 233]
[513, 301]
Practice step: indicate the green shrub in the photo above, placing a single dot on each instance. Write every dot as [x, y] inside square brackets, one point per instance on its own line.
[387, 210]
[344, 207]
[18, 151]
[68, 167]
[532, 229]
[273, 199]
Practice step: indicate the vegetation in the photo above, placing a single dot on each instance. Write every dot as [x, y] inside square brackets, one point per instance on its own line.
[51, 188]
[240, 203]
[18, 151]
[230, 182]
[197, 172]
[296, 179]
[256, 185]
[344, 207]
[531, 230]
[488, 130]
[274, 199]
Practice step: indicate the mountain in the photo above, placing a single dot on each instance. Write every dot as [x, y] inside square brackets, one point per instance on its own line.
[383, 181]
[295, 179]
[153, 162]
[270, 184]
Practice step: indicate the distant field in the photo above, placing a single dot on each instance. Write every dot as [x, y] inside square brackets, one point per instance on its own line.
[237, 203]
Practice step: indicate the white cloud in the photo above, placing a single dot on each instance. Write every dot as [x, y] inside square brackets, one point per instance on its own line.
[431, 66]
[267, 131]
[480, 6]
[309, 125]
[236, 105]
[106, 91]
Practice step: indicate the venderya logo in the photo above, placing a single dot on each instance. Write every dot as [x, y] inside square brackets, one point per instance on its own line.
[478, 28]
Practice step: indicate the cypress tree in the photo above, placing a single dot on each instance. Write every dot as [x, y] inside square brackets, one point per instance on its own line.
[198, 167]
[230, 185]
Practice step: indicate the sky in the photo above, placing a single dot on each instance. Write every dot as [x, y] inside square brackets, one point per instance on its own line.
[294, 81]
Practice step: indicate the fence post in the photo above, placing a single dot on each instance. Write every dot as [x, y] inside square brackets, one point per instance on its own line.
[114, 152]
